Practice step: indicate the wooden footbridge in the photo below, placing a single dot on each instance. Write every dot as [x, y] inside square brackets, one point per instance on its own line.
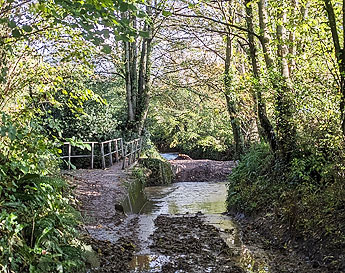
[110, 151]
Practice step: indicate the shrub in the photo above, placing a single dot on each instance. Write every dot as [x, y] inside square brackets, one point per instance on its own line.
[250, 183]
[37, 221]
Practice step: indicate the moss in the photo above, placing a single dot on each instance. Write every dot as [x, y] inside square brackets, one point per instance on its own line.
[160, 172]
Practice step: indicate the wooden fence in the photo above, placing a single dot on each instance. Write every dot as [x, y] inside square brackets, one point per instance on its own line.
[115, 147]
[110, 150]
[70, 154]
[131, 153]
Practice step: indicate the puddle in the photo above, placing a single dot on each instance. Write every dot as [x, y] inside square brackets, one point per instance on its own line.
[148, 263]
[169, 156]
[180, 198]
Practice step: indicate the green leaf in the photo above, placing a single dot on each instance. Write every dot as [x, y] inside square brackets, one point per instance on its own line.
[27, 28]
[166, 13]
[106, 49]
[12, 24]
[123, 7]
[144, 34]
[16, 33]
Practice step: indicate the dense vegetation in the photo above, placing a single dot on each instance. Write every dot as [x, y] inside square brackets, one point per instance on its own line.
[262, 82]
[50, 92]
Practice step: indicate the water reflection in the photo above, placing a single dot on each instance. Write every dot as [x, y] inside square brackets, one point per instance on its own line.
[151, 263]
[187, 197]
[182, 197]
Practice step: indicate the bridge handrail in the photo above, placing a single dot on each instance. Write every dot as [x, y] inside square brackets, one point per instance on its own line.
[131, 154]
[128, 152]
[70, 156]
[118, 148]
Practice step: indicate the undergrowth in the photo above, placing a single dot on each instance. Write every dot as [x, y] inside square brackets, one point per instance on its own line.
[306, 197]
[38, 224]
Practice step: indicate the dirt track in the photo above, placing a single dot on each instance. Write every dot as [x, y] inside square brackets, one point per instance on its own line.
[201, 170]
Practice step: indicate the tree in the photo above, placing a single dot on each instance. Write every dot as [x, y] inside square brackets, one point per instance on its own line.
[339, 54]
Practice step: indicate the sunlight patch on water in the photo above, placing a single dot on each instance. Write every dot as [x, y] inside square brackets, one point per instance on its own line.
[190, 197]
[186, 197]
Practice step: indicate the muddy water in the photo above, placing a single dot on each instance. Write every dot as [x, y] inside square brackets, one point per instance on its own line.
[169, 156]
[206, 199]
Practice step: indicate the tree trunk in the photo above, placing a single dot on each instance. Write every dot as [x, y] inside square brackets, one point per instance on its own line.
[137, 78]
[144, 75]
[284, 98]
[231, 102]
[264, 36]
[261, 106]
[130, 108]
[133, 65]
[340, 55]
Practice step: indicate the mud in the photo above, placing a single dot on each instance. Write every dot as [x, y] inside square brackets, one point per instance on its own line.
[192, 245]
[201, 170]
[288, 254]
[178, 228]
[97, 193]
[106, 228]
[113, 257]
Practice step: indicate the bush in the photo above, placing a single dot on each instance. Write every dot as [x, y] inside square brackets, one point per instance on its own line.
[306, 197]
[250, 183]
[101, 116]
[37, 220]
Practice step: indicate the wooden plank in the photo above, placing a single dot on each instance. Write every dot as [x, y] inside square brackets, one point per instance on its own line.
[92, 154]
[110, 154]
[69, 155]
[102, 154]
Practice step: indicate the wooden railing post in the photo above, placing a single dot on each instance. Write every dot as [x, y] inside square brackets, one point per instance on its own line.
[124, 149]
[110, 154]
[102, 154]
[92, 153]
[116, 150]
[140, 146]
[69, 155]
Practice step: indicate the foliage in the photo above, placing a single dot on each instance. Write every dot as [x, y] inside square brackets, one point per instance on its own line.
[157, 169]
[250, 183]
[202, 132]
[307, 197]
[37, 220]
[102, 117]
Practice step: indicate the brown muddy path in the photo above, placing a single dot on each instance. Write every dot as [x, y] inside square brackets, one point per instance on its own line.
[180, 228]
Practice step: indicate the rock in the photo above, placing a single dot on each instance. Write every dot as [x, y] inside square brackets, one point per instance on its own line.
[183, 157]
[119, 208]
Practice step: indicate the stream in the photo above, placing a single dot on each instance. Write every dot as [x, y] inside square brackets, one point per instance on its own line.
[185, 200]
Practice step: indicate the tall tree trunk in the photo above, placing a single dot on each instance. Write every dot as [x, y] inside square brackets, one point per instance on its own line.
[264, 36]
[144, 75]
[340, 55]
[292, 36]
[284, 96]
[133, 65]
[231, 102]
[130, 108]
[137, 78]
[261, 106]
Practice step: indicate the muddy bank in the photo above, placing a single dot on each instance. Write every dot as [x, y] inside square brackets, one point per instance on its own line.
[112, 257]
[286, 253]
[111, 233]
[191, 246]
[201, 170]
[97, 193]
